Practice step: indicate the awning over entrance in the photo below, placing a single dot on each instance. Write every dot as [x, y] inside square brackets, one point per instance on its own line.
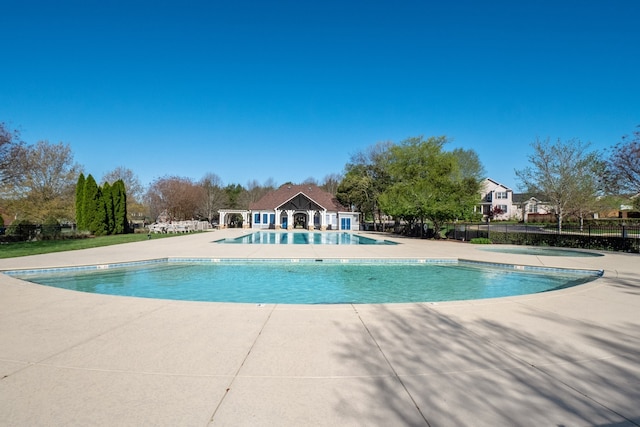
[227, 218]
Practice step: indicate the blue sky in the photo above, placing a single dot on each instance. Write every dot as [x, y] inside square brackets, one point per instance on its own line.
[289, 90]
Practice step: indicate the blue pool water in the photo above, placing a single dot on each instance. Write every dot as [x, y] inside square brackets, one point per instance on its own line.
[311, 281]
[305, 238]
[526, 250]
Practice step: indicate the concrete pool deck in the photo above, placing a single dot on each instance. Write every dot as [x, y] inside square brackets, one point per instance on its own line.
[568, 357]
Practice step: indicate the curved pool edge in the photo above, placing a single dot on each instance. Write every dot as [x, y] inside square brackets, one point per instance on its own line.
[199, 245]
[547, 251]
[214, 260]
[583, 275]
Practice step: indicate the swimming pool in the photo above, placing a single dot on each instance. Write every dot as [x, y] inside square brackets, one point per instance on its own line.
[527, 250]
[301, 281]
[305, 238]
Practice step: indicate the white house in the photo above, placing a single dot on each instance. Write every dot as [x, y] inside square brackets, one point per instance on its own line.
[496, 200]
[526, 205]
[304, 206]
[499, 202]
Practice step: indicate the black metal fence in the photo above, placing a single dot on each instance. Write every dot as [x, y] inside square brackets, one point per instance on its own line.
[622, 238]
[27, 232]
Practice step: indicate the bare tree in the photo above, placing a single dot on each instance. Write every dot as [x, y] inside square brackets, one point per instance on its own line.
[178, 197]
[255, 191]
[44, 184]
[214, 196]
[135, 190]
[10, 148]
[310, 181]
[331, 182]
[623, 165]
[565, 173]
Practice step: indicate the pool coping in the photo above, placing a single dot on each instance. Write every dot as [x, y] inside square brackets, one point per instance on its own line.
[502, 266]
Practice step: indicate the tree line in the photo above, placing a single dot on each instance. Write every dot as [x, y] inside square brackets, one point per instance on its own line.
[414, 181]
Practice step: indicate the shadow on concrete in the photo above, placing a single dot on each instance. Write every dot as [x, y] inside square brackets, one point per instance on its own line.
[627, 283]
[482, 372]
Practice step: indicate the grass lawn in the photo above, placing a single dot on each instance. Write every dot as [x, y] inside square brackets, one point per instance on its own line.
[11, 250]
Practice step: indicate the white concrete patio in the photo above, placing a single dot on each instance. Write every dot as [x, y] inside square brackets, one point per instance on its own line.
[561, 358]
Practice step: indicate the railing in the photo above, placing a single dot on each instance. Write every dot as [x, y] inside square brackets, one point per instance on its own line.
[623, 238]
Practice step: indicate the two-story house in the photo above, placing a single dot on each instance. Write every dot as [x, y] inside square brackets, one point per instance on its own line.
[496, 200]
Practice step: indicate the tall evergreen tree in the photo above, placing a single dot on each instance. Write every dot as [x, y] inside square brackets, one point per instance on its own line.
[80, 223]
[106, 193]
[94, 208]
[90, 195]
[99, 225]
[121, 225]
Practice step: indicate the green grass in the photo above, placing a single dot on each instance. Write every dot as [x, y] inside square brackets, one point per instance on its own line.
[12, 250]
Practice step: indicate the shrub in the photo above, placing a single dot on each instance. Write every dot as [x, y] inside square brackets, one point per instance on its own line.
[481, 241]
[51, 229]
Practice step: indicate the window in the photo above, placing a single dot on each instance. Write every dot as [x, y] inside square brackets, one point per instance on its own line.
[256, 218]
[503, 208]
[501, 194]
[265, 218]
[272, 218]
[533, 208]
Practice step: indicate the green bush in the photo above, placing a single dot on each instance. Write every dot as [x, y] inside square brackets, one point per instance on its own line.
[51, 229]
[481, 241]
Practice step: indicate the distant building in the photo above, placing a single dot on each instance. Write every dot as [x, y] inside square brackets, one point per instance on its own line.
[531, 208]
[496, 200]
[291, 206]
[499, 202]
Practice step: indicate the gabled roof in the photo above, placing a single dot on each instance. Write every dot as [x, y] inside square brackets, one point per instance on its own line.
[496, 183]
[285, 193]
[524, 197]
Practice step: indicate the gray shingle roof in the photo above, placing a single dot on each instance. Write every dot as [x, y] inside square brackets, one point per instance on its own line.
[278, 197]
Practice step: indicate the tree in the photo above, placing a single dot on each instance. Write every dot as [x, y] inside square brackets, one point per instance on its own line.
[80, 222]
[180, 198]
[428, 183]
[101, 210]
[254, 192]
[44, 184]
[107, 200]
[623, 166]
[135, 190]
[10, 148]
[234, 193]
[119, 197]
[366, 177]
[331, 182]
[95, 215]
[214, 196]
[565, 173]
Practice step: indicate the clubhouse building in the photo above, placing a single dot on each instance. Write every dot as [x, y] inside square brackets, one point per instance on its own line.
[291, 207]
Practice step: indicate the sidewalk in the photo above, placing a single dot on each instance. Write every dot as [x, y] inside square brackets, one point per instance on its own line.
[569, 357]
